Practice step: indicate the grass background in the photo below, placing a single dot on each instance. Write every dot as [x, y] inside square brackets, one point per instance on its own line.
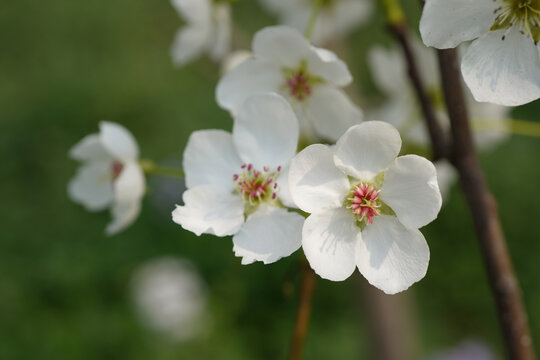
[64, 286]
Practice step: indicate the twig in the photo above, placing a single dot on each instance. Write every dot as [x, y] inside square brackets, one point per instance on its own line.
[483, 207]
[304, 312]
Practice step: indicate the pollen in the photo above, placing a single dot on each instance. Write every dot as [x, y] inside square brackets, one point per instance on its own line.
[299, 83]
[525, 14]
[255, 185]
[363, 201]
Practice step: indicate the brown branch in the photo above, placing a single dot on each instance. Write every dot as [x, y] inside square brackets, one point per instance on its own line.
[483, 207]
[439, 143]
[304, 312]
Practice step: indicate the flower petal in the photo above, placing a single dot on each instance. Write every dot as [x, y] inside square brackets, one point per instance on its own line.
[446, 23]
[193, 11]
[331, 112]
[284, 193]
[387, 70]
[325, 64]
[266, 130]
[222, 31]
[329, 240]
[410, 188]
[89, 148]
[251, 77]
[268, 235]
[123, 215]
[504, 72]
[281, 45]
[367, 149]
[118, 141]
[390, 256]
[314, 181]
[92, 186]
[130, 184]
[189, 43]
[211, 210]
[210, 158]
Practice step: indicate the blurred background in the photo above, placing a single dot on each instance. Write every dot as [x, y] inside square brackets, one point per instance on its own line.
[69, 292]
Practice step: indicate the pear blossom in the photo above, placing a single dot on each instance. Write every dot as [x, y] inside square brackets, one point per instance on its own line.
[310, 78]
[237, 183]
[502, 65]
[208, 30]
[170, 298]
[366, 205]
[336, 18]
[110, 175]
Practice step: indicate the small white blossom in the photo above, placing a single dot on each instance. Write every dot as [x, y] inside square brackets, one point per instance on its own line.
[110, 175]
[208, 30]
[310, 78]
[336, 18]
[170, 297]
[502, 65]
[237, 183]
[366, 206]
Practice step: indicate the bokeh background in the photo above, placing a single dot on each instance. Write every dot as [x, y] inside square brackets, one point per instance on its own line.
[65, 288]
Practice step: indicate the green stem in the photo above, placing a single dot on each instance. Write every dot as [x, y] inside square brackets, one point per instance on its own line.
[150, 167]
[393, 11]
[518, 127]
[313, 18]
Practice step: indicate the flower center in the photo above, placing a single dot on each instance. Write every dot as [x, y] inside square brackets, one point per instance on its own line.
[522, 13]
[363, 201]
[257, 186]
[116, 169]
[299, 82]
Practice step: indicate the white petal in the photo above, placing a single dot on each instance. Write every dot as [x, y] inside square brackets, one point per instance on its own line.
[331, 112]
[388, 70]
[367, 149]
[130, 184]
[189, 43]
[410, 188]
[222, 31]
[92, 186]
[325, 64]
[315, 183]
[504, 72]
[210, 158]
[268, 235]
[193, 11]
[234, 59]
[446, 23]
[266, 130]
[329, 240]
[446, 176]
[251, 77]
[118, 141]
[123, 215]
[390, 256]
[284, 193]
[89, 148]
[211, 210]
[281, 45]
[349, 14]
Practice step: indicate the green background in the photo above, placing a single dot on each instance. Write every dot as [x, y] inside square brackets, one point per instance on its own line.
[64, 286]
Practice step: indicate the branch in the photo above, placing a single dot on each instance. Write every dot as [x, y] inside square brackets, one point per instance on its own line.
[483, 207]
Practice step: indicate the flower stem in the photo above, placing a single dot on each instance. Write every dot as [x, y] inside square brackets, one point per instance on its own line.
[313, 18]
[518, 127]
[483, 207]
[304, 311]
[150, 167]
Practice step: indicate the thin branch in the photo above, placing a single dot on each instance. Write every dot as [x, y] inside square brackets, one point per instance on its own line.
[483, 207]
[304, 312]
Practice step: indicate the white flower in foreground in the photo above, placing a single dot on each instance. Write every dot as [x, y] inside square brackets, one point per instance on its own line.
[170, 297]
[310, 78]
[336, 18]
[237, 183]
[390, 74]
[110, 175]
[502, 65]
[366, 206]
[208, 30]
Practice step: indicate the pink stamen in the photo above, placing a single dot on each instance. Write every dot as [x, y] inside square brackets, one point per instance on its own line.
[299, 86]
[256, 185]
[116, 169]
[364, 202]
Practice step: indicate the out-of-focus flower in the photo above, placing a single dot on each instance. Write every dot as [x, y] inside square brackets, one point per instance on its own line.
[502, 65]
[170, 297]
[366, 206]
[467, 350]
[336, 18]
[237, 183]
[110, 175]
[310, 78]
[208, 30]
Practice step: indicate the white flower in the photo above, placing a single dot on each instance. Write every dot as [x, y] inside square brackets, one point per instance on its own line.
[170, 297]
[336, 18]
[310, 78]
[110, 176]
[237, 183]
[208, 29]
[234, 59]
[502, 65]
[390, 74]
[366, 207]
